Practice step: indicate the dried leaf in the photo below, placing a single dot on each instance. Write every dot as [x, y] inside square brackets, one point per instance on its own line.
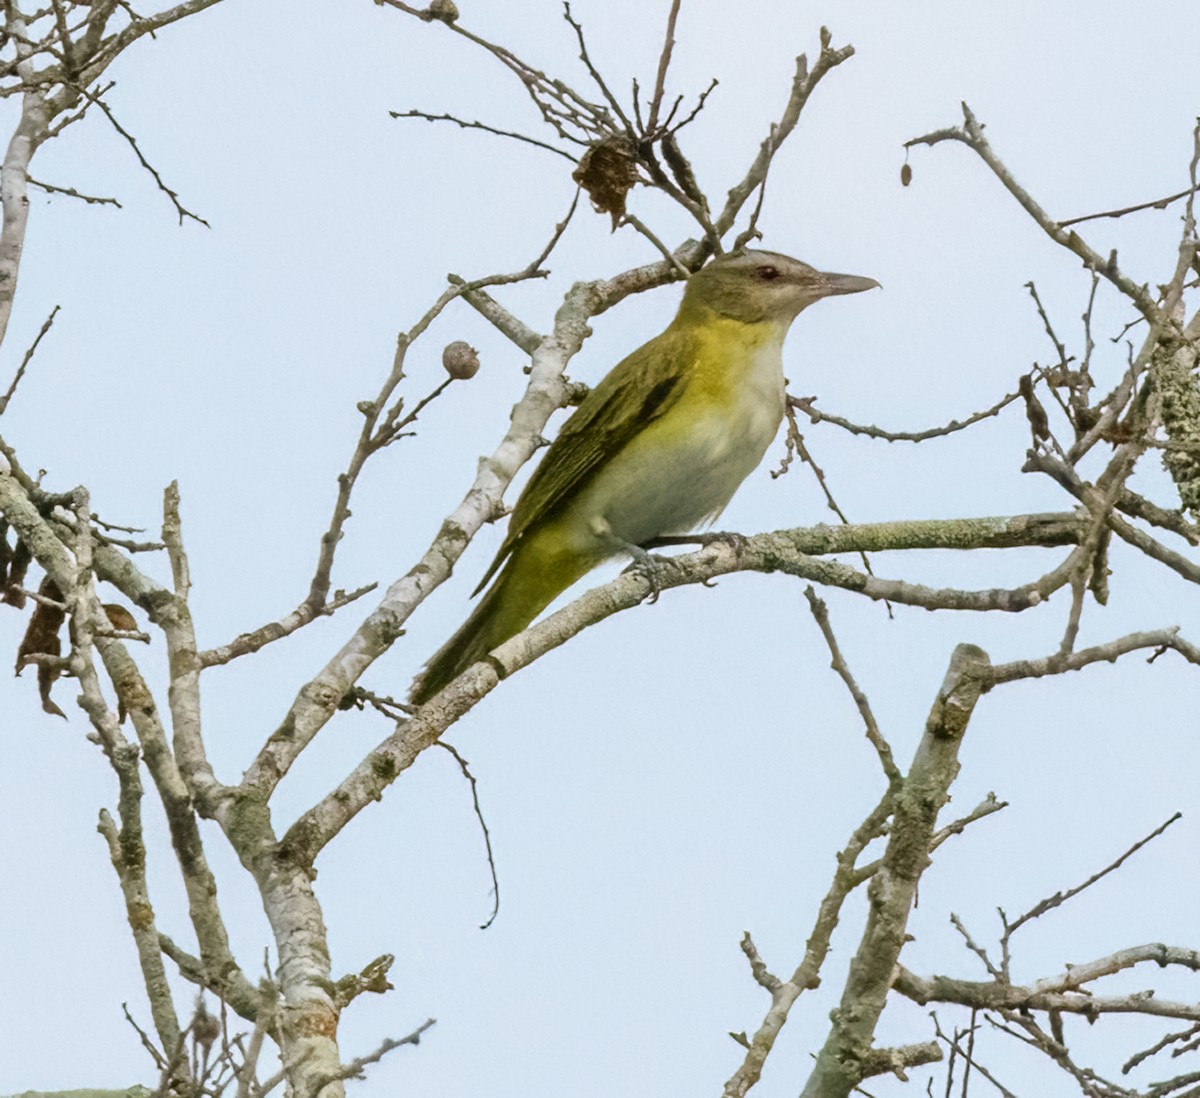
[120, 618]
[1039, 422]
[608, 171]
[680, 168]
[41, 636]
[18, 565]
[5, 554]
[42, 639]
[1098, 584]
[45, 677]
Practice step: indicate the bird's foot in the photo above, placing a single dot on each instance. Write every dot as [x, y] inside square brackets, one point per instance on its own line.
[712, 537]
[737, 542]
[645, 565]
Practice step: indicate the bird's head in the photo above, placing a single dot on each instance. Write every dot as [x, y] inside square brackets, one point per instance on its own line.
[753, 286]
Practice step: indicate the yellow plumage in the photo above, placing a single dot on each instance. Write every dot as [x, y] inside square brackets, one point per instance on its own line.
[658, 447]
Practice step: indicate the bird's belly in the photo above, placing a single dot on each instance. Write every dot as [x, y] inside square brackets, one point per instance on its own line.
[681, 471]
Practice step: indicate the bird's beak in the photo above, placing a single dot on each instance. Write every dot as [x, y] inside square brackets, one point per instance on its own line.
[846, 284]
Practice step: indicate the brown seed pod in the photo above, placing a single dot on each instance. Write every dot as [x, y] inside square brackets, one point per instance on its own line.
[905, 175]
[461, 360]
[444, 10]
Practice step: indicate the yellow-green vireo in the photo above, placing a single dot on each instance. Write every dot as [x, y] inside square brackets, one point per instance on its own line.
[657, 448]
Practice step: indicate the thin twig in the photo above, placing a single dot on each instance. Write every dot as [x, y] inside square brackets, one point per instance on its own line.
[1158, 639]
[957, 1049]
[820, 613]
[751, 231]
[667, 254]
[372, 436]
[795, 443]
[159, 1061]
[597, 79]
[46, 325]
[660, 79]
[1157, 1047]
[975, 947]
[354, 1068]
[467, 125]
[1155, 204]
[804, 83]
[180, 209]
[487, 836]
[1059, 346]
[246, 643]
[71, 192]
[807, 405]
[971, 134]
[758, 967]
[1060, 898]
[695, 111]
[807, 975]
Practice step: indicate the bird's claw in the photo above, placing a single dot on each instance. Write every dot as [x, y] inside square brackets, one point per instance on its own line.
[737, 542]
[646, 565]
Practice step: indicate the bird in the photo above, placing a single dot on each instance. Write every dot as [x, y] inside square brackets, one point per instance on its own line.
[656, 449]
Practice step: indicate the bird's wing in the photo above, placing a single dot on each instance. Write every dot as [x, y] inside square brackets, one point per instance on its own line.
[635, 392]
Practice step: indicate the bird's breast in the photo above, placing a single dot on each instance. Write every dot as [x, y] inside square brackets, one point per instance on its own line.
[681, 470]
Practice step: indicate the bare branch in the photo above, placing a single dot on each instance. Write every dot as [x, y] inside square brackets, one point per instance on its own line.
[975, 948]
[181, 210]
[547, 391]
[373, 979]
[487, 835]
[807, 405]
[897, 1061]
[1057, 664]
[1060, 898]
[804, 83]
[503, 321]
[71, 192]
[758, 968]
[46, 325]
[767, 552]
[101, 52]
[1158, 1046]
[664, 63]
[245, 643]
[971, 135]
[355, 1068]
[986, 807]
[820, 613]
[808, 973]
[126, 843]
[1153, 204]
[467, 125]
[844, 1057]
[174, 617]
[647, 232]
[30, 132]
[956, 1049]
[597, 79]
[796, 445]
[1065, 993]
[381, 423]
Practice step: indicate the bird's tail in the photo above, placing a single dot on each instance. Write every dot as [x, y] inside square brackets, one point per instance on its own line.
[530, 580]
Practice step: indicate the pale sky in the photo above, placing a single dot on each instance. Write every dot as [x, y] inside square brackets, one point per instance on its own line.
[680, 773]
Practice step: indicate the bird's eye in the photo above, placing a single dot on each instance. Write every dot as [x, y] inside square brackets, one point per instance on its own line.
[767, 274]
